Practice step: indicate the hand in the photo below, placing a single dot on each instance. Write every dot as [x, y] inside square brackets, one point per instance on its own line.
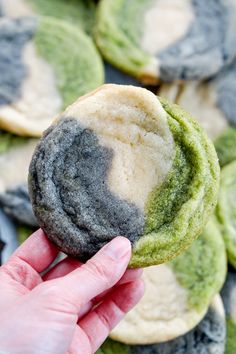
[71, 308]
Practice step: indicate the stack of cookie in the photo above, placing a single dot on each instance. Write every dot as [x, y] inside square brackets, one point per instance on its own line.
[121, 160]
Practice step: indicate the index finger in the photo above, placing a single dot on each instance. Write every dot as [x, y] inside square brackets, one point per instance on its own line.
[99, 274]
[37, 251]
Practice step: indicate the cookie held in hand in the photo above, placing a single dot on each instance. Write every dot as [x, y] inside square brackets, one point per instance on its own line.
[119, 161]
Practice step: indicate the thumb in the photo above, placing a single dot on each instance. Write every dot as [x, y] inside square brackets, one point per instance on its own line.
[99, 274]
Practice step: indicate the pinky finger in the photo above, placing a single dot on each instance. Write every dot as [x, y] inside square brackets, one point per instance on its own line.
[99, 322]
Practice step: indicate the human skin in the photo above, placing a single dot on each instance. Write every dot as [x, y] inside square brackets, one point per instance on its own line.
[72, 307]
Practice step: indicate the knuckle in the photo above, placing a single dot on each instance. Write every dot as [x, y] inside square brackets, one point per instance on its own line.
[19, 271]
[105, 320]
[99, 270]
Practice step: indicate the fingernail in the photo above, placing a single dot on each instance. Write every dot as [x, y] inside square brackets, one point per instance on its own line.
[118, 248]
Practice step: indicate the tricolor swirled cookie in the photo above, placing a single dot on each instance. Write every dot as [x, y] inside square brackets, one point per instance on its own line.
[207, 337]
[119, 161]
[177, 294]
[45, 65]
[167, 39]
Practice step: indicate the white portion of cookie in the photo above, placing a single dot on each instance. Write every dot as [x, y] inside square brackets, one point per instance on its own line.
[40, 100]
[14, 165]
[159, 32]
[132, 123]
[16, 8]
[232, 304]
[218, 305]
[162, 314]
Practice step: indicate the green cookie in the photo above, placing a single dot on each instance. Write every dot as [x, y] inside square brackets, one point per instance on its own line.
[226, 209]
[226, 146]
[120, 161]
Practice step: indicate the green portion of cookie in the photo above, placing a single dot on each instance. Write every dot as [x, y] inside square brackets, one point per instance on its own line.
[226, 209]
[112, 347]
[72, 55]
[226, 146]
[202, 268]
[180, 194]
[23, 233]
[79, 12]
[117, 33]
[231, 337]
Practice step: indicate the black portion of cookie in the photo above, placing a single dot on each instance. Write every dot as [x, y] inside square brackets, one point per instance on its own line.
[16, 203]
[14, 35]
[2, 245]
[227, 291]
[115, 76]
[70, 193]
[226, 92]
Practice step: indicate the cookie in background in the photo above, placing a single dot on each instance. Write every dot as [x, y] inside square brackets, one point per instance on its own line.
[208, 337]
[45, 65]
[167, 39]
